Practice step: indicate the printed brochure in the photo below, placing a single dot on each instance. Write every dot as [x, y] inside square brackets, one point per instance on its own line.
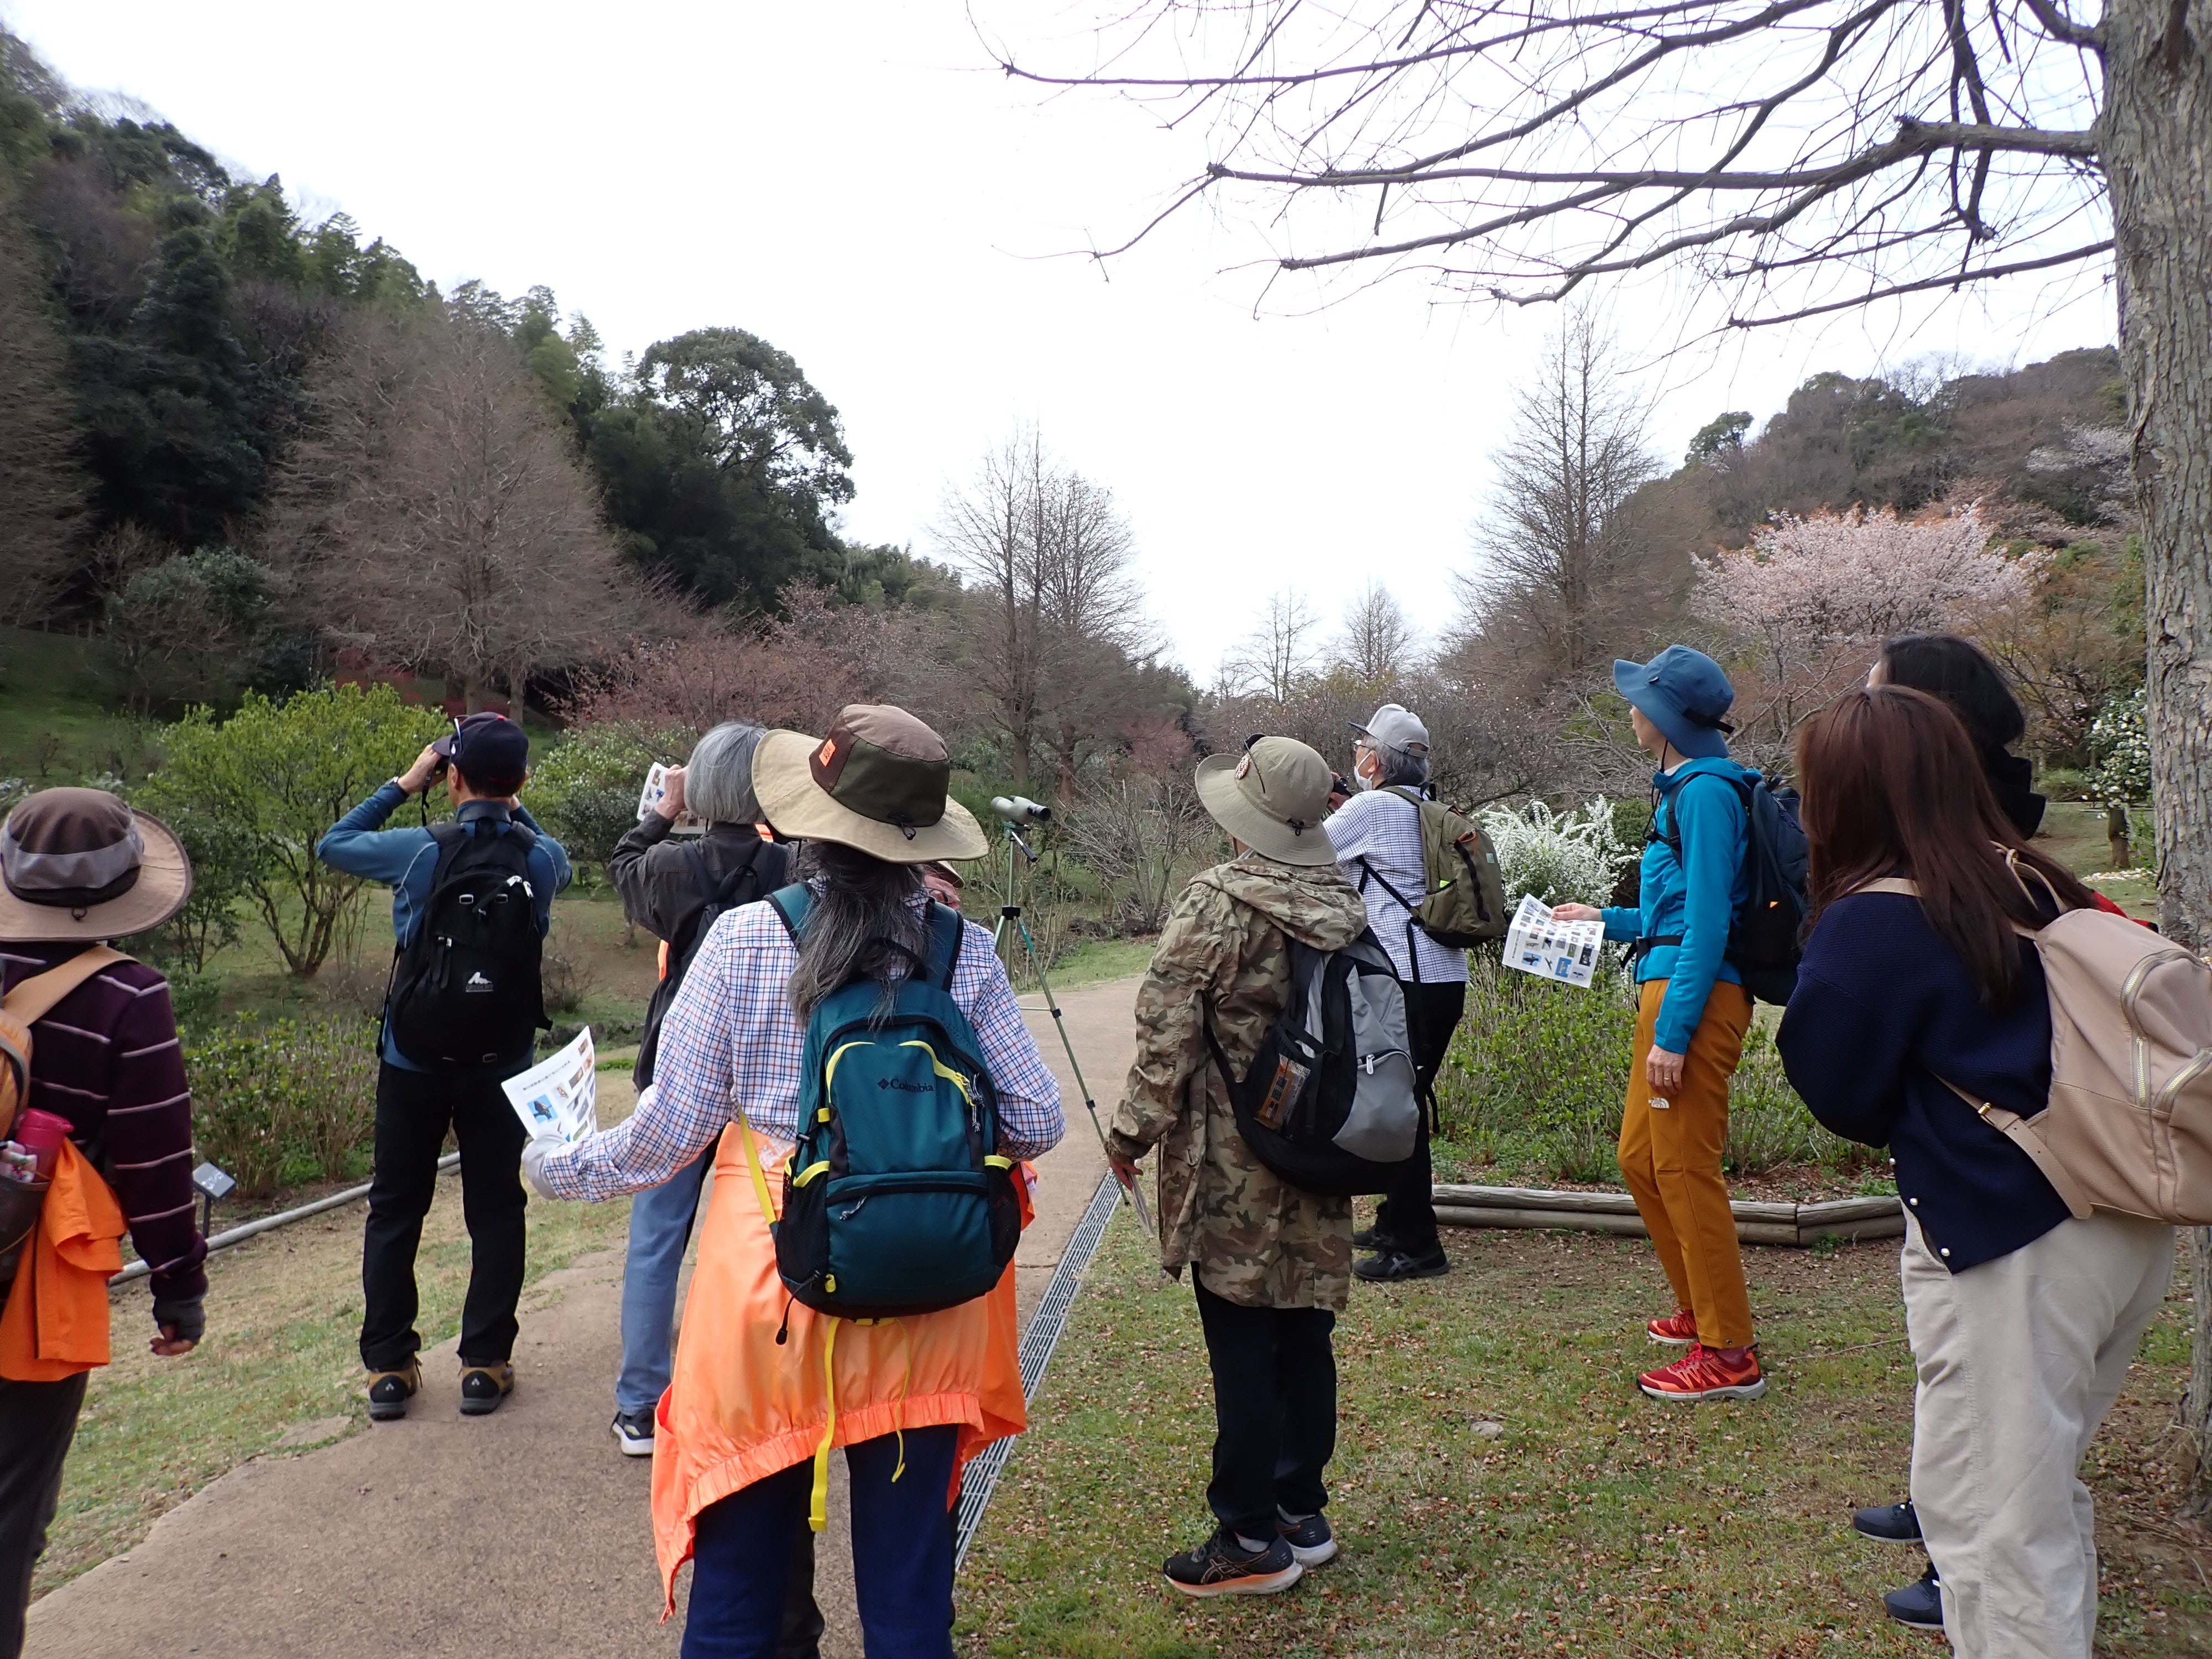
[1564, 951]
[558, 1097]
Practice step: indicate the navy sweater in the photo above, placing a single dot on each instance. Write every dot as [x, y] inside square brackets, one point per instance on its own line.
[1883, 1004]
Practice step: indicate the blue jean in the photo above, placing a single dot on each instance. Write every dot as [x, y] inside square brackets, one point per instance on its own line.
[659, 1228]
[902, 1554]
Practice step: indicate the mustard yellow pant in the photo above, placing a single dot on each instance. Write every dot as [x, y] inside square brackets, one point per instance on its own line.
[1671, 1156]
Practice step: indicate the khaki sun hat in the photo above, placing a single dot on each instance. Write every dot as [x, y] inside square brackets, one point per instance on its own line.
[1272, 798]
[79, 863]
[877, 783]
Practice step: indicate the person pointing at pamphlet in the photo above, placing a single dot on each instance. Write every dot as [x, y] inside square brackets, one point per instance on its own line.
[1691, 1018]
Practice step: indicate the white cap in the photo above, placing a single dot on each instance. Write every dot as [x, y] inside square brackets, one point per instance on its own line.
[1393, 726]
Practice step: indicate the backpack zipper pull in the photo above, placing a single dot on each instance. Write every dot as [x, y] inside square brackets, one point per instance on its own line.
[783, 1331]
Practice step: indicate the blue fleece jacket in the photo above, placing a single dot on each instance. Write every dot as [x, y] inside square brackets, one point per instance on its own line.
[1695, 896]
[1883, 1004]
[405, 860]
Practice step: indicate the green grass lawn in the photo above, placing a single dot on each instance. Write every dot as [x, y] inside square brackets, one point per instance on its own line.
[280, 1358]
[1598, 1522]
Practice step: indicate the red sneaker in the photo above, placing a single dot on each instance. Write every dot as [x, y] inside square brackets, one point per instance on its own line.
[1677, 1330]
[1701, 1373]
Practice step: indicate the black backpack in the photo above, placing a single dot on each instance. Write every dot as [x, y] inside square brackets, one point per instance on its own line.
[1766, 934]
[741, 885]
[1328, 1103]
[466, 991]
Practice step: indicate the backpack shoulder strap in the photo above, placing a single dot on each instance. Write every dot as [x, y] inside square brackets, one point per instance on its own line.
[34, 998]
[2016, 1129]
[790, 905]
[948, 931]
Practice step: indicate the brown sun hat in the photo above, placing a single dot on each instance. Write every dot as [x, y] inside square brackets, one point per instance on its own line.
[79, 863]
[1272, 797]
[877, 783]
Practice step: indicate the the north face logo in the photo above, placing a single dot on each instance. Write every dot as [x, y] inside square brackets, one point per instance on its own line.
[476, 982]
[910, 1088]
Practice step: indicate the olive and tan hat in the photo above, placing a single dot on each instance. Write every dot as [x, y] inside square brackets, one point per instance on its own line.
[1272, 798]
[79, 863]
[876, 782]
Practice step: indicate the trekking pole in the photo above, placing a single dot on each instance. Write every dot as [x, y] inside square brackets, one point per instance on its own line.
[1013, 912]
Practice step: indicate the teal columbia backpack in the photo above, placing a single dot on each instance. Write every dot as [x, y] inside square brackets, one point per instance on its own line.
[897, 1199]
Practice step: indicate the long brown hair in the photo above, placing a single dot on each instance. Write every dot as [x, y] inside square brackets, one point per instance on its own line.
[1893, 787]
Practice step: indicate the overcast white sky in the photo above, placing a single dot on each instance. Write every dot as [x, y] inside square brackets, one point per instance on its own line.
[852, 182]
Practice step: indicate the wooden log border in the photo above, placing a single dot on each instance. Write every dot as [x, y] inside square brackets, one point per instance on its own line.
[1798, 1226]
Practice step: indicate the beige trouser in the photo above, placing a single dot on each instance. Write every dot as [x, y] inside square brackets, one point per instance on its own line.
[2019, 1360]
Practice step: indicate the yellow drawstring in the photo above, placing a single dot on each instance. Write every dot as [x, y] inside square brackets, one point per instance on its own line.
[818, 1508]
[906, 1387]
[752, 1163]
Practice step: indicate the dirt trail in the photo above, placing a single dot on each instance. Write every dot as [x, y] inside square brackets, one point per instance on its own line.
[522, 1532]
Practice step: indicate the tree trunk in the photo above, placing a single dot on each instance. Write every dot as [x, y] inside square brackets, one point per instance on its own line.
[2157, 150]
[2116, 838]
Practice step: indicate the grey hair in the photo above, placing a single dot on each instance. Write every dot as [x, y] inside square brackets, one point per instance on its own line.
[1401, 768]
[862, 924]
[718, 780]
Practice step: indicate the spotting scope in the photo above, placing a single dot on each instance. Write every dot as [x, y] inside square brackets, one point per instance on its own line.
[1019, 808]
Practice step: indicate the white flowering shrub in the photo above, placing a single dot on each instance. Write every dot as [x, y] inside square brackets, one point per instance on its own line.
[1557, 856]
[2121, 742]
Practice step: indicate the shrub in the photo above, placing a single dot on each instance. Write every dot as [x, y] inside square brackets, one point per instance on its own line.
[585, 789]
[1537, 1072]
[1558, 856]
[276, 775]
[280, 1103]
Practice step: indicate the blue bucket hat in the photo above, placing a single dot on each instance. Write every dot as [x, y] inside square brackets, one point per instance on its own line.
[1685, 694]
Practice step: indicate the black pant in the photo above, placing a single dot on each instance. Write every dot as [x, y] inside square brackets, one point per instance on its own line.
[1408, 1212]
[38, 1420]
[413, 1110]
[1274, 1410]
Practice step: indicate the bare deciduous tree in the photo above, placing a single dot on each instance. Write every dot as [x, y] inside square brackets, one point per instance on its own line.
[1278, 655]
[1376, 643]
[1056, 619]
[1563, 582]
[437, 517]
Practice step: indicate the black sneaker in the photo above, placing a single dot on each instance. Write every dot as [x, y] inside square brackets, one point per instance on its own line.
[482, 1387]
[1310, 1541]
[1892, 1523]
[633, 1433]
[1390, 1266]
[390, 1391]
[1919, 1604]
[1222, 1566]
[1375, 1238]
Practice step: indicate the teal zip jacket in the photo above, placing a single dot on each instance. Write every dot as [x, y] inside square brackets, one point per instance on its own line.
[1695, 896]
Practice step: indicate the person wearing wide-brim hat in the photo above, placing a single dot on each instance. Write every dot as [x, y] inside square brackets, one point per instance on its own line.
[1690, 1028]
[78, 867]
[1271, 1263]
[750, 1402]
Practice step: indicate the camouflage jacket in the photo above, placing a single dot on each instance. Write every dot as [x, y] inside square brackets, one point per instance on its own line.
[1253, 1240]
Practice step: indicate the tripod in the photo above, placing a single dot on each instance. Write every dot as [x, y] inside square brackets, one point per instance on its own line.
[1011, 912]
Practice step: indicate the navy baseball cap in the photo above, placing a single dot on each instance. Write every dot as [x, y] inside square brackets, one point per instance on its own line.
[489, 750]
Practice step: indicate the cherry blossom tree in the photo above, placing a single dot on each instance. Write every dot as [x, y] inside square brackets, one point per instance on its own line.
[1807, 602]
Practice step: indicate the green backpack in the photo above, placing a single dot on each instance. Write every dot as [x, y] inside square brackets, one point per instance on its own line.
[897, 1199]
[1464, 900]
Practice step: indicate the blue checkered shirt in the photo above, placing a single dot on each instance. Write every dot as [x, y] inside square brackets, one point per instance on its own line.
[731, 1041]
[1385, 830]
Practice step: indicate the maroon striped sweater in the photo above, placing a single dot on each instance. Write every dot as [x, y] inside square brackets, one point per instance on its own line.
[107, 1059]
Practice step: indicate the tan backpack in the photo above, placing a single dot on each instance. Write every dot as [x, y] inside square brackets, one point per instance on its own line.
[30, 1001]
[2128, 1129]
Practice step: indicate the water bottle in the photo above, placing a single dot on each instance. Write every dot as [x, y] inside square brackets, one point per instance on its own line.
[41, 1135]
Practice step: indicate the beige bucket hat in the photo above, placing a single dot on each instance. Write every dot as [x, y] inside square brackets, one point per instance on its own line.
[79, 863]
[1272, 798]
[877, 783]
